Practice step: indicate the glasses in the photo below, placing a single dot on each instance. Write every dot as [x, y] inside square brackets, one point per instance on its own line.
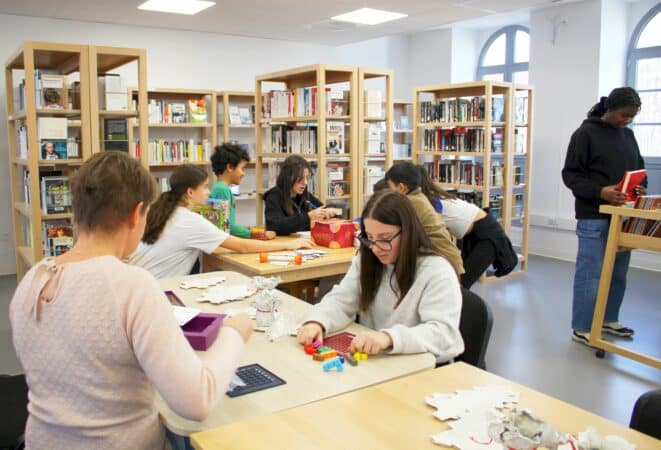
[382, 244]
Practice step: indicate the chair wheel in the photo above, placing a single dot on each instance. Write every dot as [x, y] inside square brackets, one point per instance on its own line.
[600, 353]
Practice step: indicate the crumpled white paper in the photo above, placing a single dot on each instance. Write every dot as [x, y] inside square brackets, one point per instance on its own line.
[224, 294]
[202, 283]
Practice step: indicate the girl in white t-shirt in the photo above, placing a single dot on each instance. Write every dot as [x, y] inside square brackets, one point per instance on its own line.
[175, 235]
[484, 241]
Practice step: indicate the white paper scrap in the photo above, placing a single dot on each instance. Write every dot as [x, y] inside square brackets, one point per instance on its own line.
[202, 283]
[224, 294]
[184, 314]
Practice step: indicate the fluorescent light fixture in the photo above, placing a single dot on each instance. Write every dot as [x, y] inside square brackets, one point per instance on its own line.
[188, 7]
[368, 16]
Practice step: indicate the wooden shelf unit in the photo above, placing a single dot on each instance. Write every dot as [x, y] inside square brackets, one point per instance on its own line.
[371, 82]
[617, 240]
[402, 129]
[70, 61]
[318, 76]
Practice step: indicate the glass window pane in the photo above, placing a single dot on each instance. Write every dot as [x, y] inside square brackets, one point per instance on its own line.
[651, 35]
[495, 56]
[494, 77]
[650, 110]
[521, 46]
[520, 77]
[648, 137]
[648, 73]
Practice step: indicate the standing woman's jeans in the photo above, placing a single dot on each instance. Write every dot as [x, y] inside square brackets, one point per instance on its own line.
[592, 235]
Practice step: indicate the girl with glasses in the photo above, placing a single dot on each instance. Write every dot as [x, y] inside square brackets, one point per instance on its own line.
[398, 284]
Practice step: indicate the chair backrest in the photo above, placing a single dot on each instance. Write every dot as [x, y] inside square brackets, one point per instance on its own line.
[14, 412]
[646, 415]
[475, 326]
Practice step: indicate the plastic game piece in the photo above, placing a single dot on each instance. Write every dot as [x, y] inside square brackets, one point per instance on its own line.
[317, 343]
[323, 349]
[334, 363]
[340, 342]
[324, 356]
[360, 356]
[309, 349]
[350, 359]
[298, 260]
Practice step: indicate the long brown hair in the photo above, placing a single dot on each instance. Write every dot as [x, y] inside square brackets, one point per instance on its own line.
[431, 189]
[392, 208]
[184, 177]
[291, 171]
[106, 188]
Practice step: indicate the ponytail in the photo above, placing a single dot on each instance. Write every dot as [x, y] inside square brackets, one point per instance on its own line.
[599, 108]
[622, 97]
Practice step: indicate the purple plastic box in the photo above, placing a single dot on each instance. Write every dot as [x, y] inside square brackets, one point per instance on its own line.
[202, 331]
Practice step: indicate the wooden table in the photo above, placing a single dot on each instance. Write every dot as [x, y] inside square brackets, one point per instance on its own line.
[393, 415]
[336, 262]
[306, 381]
[619, 240]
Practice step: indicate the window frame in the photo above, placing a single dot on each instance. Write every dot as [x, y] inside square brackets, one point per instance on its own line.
[510, 66]
[634, 55]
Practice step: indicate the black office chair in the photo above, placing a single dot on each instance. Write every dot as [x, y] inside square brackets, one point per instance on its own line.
[14, 412]
[646, 415]
[475, 326]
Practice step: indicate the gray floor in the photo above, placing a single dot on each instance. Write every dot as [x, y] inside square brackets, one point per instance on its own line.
[531, 342]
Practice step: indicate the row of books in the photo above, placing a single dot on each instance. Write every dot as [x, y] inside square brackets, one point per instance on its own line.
[338, 179]
[164, 111]
[52, 91]
[286, 139]
[458, 139]
[401, 150]
[456, 172]
[161, 150]
[464, 109]
[303, 102]
[241, 115]
[645, 227]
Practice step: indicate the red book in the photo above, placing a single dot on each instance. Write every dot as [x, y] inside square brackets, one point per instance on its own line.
[629, 181]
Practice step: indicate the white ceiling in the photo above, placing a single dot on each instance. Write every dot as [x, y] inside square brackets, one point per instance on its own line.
[295, 20]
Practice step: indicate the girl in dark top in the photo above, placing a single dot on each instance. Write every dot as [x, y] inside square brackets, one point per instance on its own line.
[288, 206]
[599, 153]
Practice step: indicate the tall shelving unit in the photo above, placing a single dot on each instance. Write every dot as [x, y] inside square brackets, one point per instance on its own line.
[402, 130]
[316, 79]
[70, 62]
[375, 130]
[231, 128]
[465, 134]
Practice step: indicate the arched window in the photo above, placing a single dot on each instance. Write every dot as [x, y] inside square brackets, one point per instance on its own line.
[644, 74]
[505, 56]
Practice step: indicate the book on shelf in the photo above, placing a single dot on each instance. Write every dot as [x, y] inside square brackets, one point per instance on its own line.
[465, 109]
[630, 180]
[337, 178]
[73, 147]
[497, 140]
[495, 206]
[645, 227]
[27, 197]
[55, 195]
[373, 174]
[198, 110]
[520, 140]
[53, 91]
[113, 95]
[115, 136]
[498, 108]
[57, 237]
[337, 102]
[54, 149]
[166, 151]
[245, 116]
[334, 137]
[521, 111]
[373, 103]
[235, 115]
[401, 150]
[22, 141]
[287, 139]
[374, 139]
[457, 139]
[403, 123]
[178, 113]
[52, 128]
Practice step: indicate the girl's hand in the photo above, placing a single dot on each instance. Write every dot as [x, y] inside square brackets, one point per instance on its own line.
[299, 243]
[270, 235]
[371, 342]
[310, 332]
[613, 196]
[241, 323]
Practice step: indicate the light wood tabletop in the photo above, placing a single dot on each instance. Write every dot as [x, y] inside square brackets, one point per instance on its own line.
[305, 380]
[393, 415]
[336, 262]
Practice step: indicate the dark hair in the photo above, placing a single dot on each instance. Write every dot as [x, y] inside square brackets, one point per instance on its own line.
[184, 177]
[392, 208]
[291, 171]
[431, 189]
[406, 173]
[227, 155]
[622, 97]
[380, 185]
[106, 188]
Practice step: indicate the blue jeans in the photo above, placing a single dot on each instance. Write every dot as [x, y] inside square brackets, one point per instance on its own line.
[592, 235]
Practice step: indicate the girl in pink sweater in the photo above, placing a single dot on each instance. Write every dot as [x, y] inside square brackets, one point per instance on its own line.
[95, 336]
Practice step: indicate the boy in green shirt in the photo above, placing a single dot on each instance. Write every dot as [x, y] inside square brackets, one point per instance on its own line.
[228, 162]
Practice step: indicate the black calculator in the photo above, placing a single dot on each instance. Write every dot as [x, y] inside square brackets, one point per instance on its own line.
[256, 379]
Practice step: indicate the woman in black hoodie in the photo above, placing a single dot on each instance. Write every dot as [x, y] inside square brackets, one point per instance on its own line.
[599, 153]
[289, 206]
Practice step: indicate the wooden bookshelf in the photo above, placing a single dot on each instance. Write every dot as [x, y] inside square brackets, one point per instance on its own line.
[31, 60]
[618, 239]
[477, 126]
[375, 130]
[317, 77]
[176, 134]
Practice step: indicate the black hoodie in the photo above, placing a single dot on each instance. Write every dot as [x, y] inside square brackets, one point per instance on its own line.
[598, 155]
[277, 217]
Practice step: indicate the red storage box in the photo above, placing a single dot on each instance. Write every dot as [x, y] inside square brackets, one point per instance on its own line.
[333, 233]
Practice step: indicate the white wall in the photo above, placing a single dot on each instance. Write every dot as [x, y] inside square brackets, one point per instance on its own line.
[430, 57]
[465, 53]
[614, 42]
